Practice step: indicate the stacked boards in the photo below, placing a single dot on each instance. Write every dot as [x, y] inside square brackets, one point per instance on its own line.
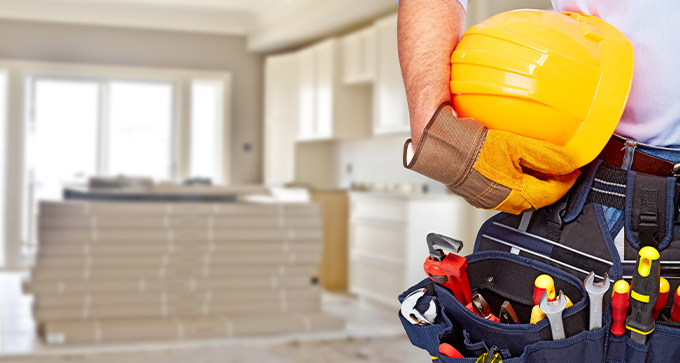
[130, 271]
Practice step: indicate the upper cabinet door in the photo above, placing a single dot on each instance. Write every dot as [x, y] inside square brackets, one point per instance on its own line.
[282, 74]
[359, 51]
[325, 83]
[369, 46]
[329, 110]
[282, 104]
[352, 54]
[389, 96]
[307, 92]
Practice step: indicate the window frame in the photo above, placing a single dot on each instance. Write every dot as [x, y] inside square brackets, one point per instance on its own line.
[19, 75]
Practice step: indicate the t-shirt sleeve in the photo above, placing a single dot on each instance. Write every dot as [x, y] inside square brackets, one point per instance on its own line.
[463, 3]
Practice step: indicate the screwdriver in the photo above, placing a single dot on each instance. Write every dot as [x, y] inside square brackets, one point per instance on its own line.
[675, 309]
[664, 288]
[545, 283]
[448, 350]
[620, 306]
[644, 292]
[536, 315]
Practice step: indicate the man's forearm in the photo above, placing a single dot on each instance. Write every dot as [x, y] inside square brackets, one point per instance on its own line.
[428, 31]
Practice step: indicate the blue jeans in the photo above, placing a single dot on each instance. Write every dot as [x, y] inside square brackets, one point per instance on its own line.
[612, 214]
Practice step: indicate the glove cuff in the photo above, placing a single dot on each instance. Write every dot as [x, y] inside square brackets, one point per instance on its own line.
[447, 152]
[448, 147]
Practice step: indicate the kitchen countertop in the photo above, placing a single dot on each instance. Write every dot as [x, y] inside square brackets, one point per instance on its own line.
[404, 195]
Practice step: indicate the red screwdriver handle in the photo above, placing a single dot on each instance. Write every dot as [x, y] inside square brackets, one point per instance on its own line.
[620, 305]
[675, 309]
[452, 274]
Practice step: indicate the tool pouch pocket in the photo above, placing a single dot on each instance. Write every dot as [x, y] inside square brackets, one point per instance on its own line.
[427, 337]
[500, 276]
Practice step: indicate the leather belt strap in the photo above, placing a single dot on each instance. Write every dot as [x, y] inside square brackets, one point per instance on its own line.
[614, 152]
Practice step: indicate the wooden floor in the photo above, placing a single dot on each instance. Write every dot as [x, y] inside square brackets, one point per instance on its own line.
[370, 335]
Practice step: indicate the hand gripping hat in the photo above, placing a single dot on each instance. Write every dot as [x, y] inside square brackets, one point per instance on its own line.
[557, 77]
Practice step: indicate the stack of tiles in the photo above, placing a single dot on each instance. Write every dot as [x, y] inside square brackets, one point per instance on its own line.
[125, 271]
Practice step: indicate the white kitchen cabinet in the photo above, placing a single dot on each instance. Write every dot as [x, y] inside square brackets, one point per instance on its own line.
[328, 109]
[388, 239]
[389, 95]
[281, 117]
[359, 52]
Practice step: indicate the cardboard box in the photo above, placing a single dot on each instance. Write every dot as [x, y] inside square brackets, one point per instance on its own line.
[143, 235]
[177, 260]
[159, 208]
[175, 298]
[181, 247]
[253, 307]
[55, 222]
[305, 221]
[156, 285]
[103, 274]
[134, 330]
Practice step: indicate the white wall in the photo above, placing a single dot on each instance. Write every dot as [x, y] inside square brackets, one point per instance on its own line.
[377, 160]
[52, 42]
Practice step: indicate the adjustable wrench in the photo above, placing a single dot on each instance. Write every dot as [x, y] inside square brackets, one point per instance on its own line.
[553, 310]
[595, 293]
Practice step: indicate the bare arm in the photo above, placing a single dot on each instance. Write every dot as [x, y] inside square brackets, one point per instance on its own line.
[428, 31]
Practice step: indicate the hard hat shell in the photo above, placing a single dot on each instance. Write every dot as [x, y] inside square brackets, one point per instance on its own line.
[558, 77]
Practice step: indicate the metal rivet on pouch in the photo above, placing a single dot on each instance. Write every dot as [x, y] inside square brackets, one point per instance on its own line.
[676, 169]
[489, 279]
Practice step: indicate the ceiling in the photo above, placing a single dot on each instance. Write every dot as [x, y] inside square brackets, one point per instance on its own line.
[270, 25]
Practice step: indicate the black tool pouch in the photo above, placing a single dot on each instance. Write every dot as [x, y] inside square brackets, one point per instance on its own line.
[566, 241]
[473, 335]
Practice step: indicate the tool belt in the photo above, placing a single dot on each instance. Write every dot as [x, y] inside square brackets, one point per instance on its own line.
[566, 240]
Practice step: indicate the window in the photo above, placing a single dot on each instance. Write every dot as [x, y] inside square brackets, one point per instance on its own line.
[206, 130]
[106, 121]
[3, 154]
[140, 130]
[62, 140]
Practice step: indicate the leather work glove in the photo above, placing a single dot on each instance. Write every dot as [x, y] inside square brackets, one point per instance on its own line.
[491, 169]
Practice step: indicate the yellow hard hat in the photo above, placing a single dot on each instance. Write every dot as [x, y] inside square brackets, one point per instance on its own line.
[558, 77]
